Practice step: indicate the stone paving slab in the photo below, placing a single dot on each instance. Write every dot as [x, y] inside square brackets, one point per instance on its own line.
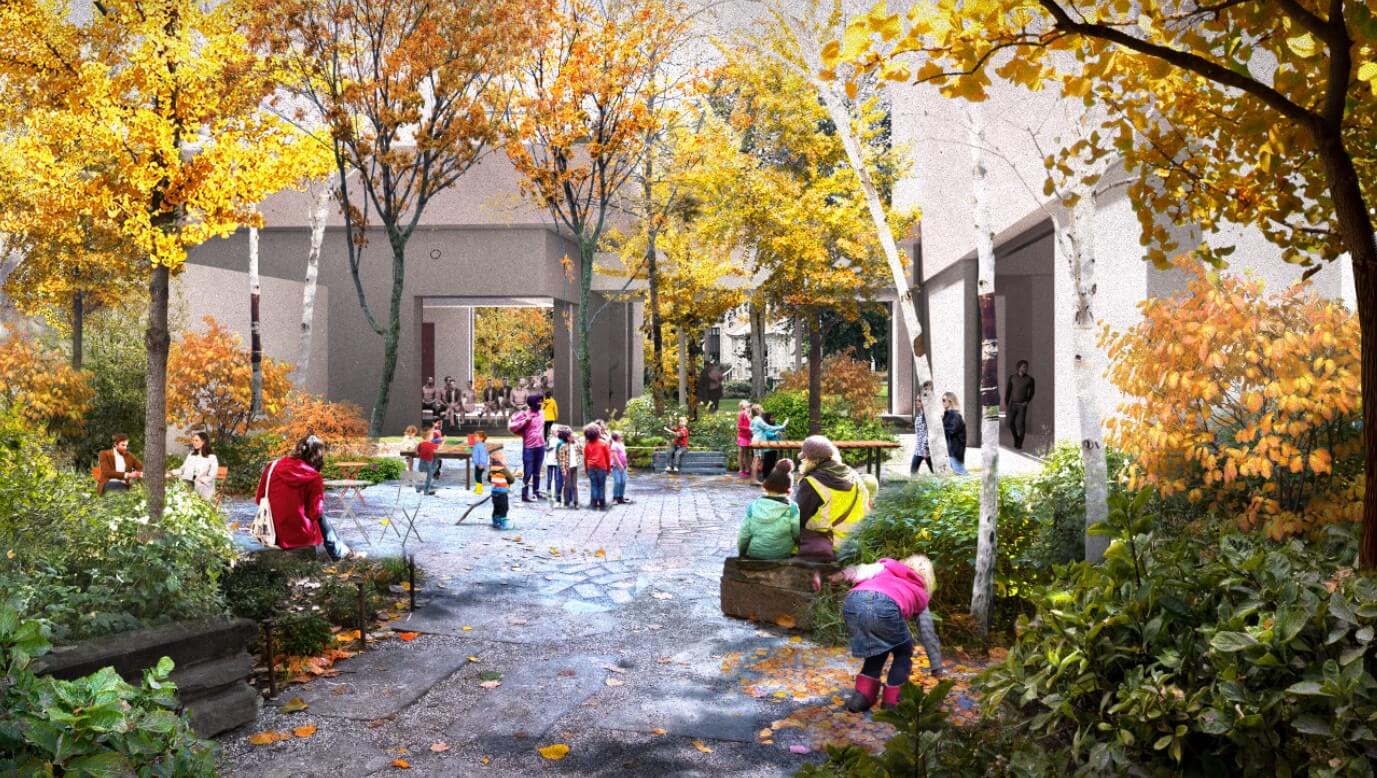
[379, 682]
[530, 700]
[691, 709]
[505, 614]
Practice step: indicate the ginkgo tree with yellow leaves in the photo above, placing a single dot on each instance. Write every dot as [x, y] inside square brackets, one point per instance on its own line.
[1241, 112]
[145, 118]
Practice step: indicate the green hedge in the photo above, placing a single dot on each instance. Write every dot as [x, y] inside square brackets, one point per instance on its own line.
[837, 423]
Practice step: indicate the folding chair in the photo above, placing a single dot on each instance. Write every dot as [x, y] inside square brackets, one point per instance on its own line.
[411, 481]
[340, 489]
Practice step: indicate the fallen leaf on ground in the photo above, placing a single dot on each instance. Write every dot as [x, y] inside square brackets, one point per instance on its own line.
[401, 764]
[294, 705]
[439, 748]
[999, 654]
[614, 682]
[614, 668]
[408, 635]
[566, 673]
[786, 621]
[467, 628]
[519, 622]
[600, 554]
[659, 731]
[664, 660]
[554, 752]
[701, 746]
[268, 738]
[485, 760]
[473, 659]
[554, 551]
[305, 731]
[662, 596]
[490, 684]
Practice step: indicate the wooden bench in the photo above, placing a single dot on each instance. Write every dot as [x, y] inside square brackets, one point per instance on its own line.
[875, 450]
[779, 591]
[695, 462]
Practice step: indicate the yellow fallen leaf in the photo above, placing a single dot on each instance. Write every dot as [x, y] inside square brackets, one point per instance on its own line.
[554, 752]
[467, 628]
[781, 694]
[658, 731]
[554, 551]
[385, 522]
[294, 705]
[439, 748]
[600, 554]
[473, 659]
[401, 764]
[486, 759]
[786, 621]
[765, 733]
[701, 746]
[305, 731]
[268, 738]
[408, 636]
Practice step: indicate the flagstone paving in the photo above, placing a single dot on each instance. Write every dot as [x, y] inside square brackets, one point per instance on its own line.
[602, 630]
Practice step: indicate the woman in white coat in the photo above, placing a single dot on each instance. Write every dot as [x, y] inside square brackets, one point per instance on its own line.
[200, 467]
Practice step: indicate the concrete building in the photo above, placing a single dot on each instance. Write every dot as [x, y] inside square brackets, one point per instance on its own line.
[478, 244]
[1032, 283]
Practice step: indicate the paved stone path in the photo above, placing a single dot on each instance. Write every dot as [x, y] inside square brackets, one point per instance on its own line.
[604, 627]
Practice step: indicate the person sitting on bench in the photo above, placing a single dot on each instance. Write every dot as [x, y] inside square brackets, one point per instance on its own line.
[117, 466]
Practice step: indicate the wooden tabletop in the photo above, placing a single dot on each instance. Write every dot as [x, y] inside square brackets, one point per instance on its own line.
[841, 444]
[451, 452]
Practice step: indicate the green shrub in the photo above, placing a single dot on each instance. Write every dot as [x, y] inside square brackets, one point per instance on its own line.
[736, 390]
[97, 725]
[245, 459]
[117, 361]
[837, 423]
[302, 634]
[1058, 493]
[255, 589]
[339, 601]
[378, 469]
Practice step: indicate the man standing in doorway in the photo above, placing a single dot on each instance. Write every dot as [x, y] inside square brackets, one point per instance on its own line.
[1018, 394]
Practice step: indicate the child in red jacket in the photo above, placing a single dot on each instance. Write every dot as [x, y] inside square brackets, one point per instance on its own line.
[887, 594]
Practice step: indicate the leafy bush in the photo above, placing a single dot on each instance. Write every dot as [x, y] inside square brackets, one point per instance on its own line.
[210, 379]
[302, 634]
[715, 430]
[837, 422]
[41, 385]
[116, 363]
[378, 469]
[96, 725]
[1200, 654]
[736, 390]
[245, 458]
[340, 424]
[1243, 402]
[941, 518]
[1058, 502]
[848, 382]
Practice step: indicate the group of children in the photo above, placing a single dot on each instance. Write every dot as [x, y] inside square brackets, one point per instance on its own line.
[600, 453]
[885, 595]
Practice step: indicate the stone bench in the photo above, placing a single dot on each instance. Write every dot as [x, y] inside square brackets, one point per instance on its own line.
[702, 462]
[772, 590]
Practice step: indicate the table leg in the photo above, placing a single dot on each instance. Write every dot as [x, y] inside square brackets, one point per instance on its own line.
[468, 473]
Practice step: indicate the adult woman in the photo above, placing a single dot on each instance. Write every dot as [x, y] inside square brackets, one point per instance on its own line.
[831, 499]
[921, 453]
[743, 438]
[200, 466]
[295, 490]
[955, 428]
[530, 426]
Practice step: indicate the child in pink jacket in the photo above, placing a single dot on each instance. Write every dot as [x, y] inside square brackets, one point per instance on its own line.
[887, 594]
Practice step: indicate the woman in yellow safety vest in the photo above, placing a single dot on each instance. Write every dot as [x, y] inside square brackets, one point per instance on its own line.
[832, 499]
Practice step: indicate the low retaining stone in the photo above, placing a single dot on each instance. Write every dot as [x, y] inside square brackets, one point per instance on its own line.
[212, 660]
[768, 590]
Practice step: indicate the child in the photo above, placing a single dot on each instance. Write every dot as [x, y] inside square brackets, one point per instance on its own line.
[437, 435]
[887, 594]
[597, 459]
[774, 433]
[619, 464]
[679, 446]
[551, 465]
[480, 459]
[569, 456]
[427, 452]
[409, 442]
[872, 489]
[770, 530]
[501, 479]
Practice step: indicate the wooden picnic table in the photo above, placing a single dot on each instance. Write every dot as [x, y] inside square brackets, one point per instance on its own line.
[874, 460]
[453, 452]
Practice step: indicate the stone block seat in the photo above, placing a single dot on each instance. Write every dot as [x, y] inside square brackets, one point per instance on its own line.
[774, 591]
[694, 462]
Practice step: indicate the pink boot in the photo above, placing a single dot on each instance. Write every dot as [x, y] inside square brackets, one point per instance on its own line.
[867, 689]
[889, 698]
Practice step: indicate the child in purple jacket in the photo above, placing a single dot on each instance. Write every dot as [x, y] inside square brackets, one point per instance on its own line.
[887, 594]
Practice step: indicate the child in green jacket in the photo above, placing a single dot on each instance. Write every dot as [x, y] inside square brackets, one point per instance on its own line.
[770, 530]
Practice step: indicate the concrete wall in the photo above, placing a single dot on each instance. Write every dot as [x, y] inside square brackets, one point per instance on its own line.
[453, 344]
[200, 291]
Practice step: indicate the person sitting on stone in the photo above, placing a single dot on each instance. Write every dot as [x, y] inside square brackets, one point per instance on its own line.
[771, 528]
[118, 467]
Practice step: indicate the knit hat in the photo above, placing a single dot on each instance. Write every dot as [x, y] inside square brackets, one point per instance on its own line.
[778, 481]
[818, 449]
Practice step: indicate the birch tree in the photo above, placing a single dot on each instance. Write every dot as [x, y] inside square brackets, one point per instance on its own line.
[982, 595]
[319, 212]
[255, 329]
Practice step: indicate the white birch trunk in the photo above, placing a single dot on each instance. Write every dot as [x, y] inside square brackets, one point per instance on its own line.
[255, 328]
[810, 48]
[1086, 369]
[319, 212]
[982, 594]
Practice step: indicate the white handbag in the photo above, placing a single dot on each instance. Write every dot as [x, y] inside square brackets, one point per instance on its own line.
[263, 529]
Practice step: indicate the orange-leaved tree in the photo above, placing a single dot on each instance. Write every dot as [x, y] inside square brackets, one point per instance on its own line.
[209, 383]
[146, 118]
[39, 385]
[413, 93]
[340, 424]
[1244, 402]
[846, 378]
[1236, 112]
[584, 123]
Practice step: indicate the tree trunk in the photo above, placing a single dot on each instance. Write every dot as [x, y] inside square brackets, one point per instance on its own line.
[391, 337]
[308, 291]
[586, 253]
[78, 329]
[759, 359]
[657, 324]
[982, 594]
[1086, 369]
[255, 329]
[841, 118]
[157, 340]
[798, 343]
[683, 368]
[814, 374]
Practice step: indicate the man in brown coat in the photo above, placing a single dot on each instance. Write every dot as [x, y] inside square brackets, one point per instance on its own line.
[117, 466]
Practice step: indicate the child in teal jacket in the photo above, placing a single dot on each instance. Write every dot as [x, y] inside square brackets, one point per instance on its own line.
[771, 528]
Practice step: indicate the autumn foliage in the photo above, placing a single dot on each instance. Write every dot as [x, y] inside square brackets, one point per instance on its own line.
[847, 378]
[340, 424]
[40, 384]
[1243, 402]
[209, 379]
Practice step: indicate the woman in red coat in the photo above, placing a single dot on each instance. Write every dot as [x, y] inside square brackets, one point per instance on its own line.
[296, 492]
